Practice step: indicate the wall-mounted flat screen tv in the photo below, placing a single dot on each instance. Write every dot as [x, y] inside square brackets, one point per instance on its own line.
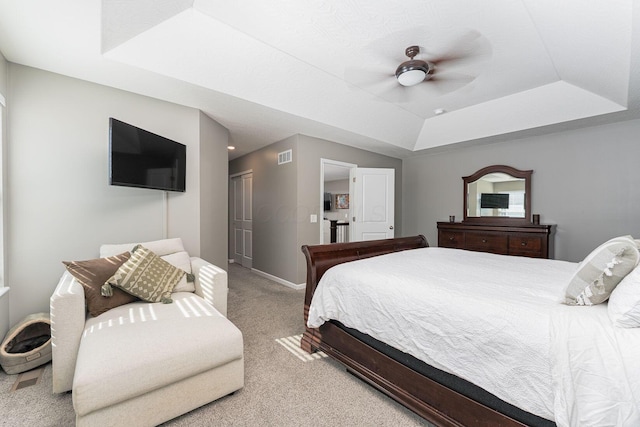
[139, 158]
[494, 201]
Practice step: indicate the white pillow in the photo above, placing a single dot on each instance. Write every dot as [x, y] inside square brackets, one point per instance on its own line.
[624, 303]
[601, 271]
[183, 262]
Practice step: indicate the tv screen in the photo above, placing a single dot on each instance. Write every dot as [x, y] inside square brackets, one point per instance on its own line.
[494, 201]
[139, 158]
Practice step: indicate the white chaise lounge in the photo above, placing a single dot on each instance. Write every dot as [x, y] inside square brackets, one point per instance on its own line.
[145, 363]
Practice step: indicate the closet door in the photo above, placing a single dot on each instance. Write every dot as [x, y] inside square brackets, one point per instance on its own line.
[242, 221]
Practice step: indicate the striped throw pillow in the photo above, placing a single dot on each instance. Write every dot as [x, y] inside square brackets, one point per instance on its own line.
[146, 276]
[601, 271]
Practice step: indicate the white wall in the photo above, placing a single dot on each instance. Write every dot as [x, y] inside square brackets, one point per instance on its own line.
[60, 205]
[4, 295]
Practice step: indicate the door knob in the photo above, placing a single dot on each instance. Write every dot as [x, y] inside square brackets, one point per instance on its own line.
[391, 227]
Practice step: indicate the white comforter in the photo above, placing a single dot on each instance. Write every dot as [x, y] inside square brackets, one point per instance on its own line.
[483, 317]
[595, 369]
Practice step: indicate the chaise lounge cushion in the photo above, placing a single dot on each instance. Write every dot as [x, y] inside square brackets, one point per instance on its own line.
[123, 356]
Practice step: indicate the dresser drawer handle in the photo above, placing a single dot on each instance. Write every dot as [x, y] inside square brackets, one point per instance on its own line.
[484, 240]
[524, 243]
[451, 239]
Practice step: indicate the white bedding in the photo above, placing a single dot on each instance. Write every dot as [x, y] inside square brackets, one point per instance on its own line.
[482, 317]
[595, 369]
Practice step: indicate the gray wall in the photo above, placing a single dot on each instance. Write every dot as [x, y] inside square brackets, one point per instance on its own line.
[311, 150]
[586, 181]
[214, 164]
[60, 205]
[286, 195]
[275, 208]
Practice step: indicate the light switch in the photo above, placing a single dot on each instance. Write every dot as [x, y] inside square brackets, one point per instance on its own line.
[314, 218]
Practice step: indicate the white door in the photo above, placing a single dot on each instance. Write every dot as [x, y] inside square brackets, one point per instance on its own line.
[241, 223]
[372, 205]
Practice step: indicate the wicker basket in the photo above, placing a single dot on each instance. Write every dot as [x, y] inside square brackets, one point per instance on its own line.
[27, 345]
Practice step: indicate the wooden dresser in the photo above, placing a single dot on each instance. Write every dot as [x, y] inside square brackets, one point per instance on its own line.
[531, 240]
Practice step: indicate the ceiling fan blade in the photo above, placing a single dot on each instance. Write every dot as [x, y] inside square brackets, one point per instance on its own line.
[449, 82]
[365, 78]
[396, 93]
[381, 85]
[468, 49]
[443, 77]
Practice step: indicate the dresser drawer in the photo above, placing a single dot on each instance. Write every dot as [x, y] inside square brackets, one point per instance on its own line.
[525, 245]
[529, 240]
[487, 242]
[451, 239]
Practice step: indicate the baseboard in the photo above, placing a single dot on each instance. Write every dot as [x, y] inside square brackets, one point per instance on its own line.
[286, 283]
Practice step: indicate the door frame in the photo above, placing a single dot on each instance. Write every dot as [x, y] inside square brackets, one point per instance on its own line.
[324, 162]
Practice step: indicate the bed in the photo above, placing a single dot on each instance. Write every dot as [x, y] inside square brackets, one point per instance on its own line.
[503, 359]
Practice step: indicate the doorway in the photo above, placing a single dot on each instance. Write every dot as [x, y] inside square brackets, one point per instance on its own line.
[334, 184]
[241, 218]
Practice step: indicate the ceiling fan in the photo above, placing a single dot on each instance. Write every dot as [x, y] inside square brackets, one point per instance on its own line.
[414, 71]
[450, 62]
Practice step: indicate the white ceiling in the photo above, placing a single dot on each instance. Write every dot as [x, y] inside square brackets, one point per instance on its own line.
[268, 70]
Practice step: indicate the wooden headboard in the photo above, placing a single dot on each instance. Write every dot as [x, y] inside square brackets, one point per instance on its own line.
[320, 258]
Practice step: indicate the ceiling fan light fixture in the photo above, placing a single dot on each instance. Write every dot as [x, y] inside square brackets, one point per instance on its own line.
[414, 71]
[411, 75]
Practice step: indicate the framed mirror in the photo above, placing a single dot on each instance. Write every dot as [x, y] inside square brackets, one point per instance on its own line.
[498, 194]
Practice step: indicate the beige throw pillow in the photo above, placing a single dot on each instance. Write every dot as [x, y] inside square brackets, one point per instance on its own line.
[183, 262]
[146, 276]
[92, 274]
[600, 272]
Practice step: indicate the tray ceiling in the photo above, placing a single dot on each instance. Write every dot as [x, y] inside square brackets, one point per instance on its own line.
[267, 70]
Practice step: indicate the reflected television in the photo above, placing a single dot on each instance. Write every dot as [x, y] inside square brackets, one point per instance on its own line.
[494, 201]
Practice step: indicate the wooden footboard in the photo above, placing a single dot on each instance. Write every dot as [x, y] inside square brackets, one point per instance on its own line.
[429, 399]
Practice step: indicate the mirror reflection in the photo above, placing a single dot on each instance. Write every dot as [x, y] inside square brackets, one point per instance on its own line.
[496, 194]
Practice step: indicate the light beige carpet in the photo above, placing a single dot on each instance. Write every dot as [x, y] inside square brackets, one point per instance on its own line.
[292, 345]
[280, 389]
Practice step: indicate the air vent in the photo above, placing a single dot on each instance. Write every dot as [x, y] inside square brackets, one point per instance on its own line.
[285, 157]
